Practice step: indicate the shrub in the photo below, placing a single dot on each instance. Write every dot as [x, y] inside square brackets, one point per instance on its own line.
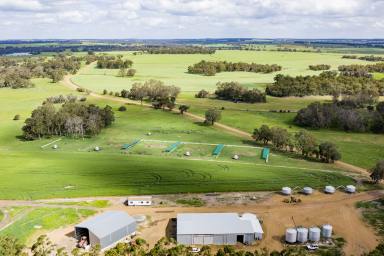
[16, 117]
[122, 108]
[202, 94]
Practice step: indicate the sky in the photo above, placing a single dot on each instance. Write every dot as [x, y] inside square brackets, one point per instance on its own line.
[165, 19]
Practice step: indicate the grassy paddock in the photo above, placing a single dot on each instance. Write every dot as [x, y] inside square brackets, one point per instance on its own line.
[74, 170]
[43, 219]
[32, 175]
[172, 69]
[373, 213]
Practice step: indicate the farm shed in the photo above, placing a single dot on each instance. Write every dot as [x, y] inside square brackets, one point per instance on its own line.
[107, 228]
[217, 228]
[139, 200]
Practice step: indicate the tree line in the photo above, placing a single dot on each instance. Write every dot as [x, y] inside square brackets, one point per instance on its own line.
[302, 141]
[181, 50]
[233, 91]
[164, 247]
[17, 74]
[325, 83]
[155, 91]
[343, 117]
[367, 58]
[60, 99]
[319, 67]
[113, 62]
[71, 119]
[210, 68]
[370, 68]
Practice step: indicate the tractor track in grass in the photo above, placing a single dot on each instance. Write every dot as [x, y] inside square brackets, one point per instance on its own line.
[67, 81]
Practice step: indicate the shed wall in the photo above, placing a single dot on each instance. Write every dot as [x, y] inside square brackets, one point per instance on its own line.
[208, 239]
[116, 235]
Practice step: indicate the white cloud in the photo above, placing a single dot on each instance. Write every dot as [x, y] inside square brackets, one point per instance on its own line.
[20, 5]
[190, 18]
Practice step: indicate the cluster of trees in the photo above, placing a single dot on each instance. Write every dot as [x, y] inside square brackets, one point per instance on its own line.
[17, 73]
[319, 67]
[343, 117]
[377, 67]
[326, 83]
[156, 91]
[301, 141]
[367, 58]
[235, 92]
[210, 68]
[113, 62]
[181, 50]
[71, 119]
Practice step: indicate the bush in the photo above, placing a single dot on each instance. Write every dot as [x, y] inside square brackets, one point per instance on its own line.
[16, 117]
[83, 99]
[105, 92]
[122, 108]
[131, 72]
[202, 94]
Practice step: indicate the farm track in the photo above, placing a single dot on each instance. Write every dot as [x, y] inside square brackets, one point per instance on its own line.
[67, 81]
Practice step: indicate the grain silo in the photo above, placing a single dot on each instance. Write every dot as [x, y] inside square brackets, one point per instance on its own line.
[291, 235]
[302, 235]
[286, 191]
[314, 234]
[307, 190]
[329, 189]
[350, 189]
[327, 231]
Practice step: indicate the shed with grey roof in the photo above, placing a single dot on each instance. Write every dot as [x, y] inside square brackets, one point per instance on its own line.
[217, 228]
[107, 228]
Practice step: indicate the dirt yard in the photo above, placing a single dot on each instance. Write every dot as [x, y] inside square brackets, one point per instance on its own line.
[318, 209]
[314, 210]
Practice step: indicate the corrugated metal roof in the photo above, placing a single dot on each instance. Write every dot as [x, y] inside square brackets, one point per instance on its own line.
[106, 223]
[217, 223]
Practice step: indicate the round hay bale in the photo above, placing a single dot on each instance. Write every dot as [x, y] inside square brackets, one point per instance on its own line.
[187, 153]
[149, 134]
[97, 148]
[55, 146]
[236, 157]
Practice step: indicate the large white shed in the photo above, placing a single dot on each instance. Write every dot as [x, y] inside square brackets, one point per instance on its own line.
[217, 228]
[106, 229]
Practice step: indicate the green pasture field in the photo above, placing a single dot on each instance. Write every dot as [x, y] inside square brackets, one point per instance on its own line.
[360, 149]
[172, 69]
[34, 221]
[74, 169]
